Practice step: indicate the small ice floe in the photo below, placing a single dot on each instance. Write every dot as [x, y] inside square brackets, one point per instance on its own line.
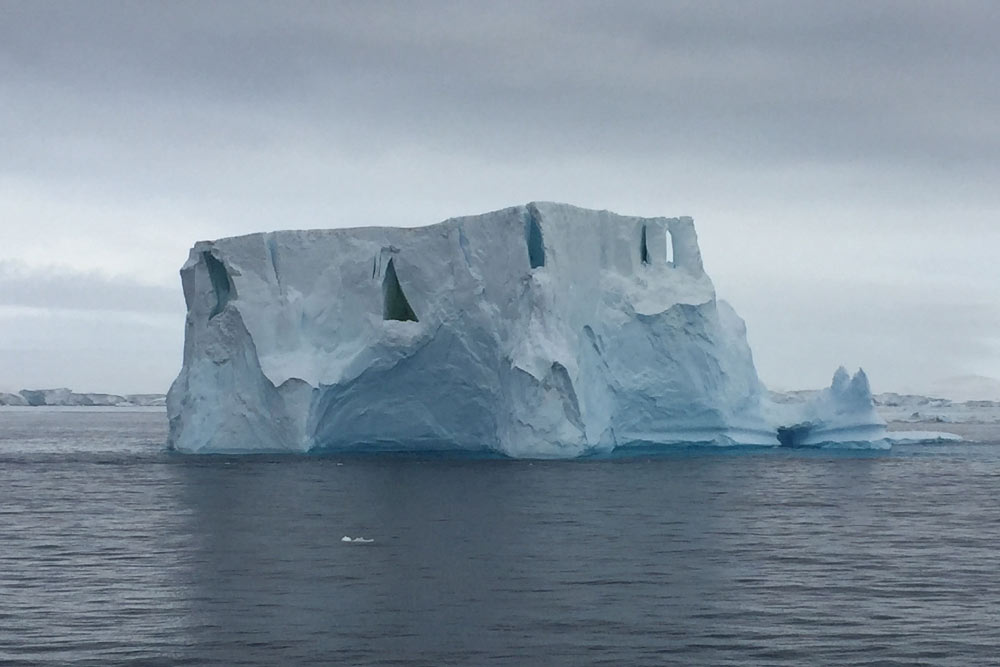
[870, 445]
[356, 540]
[922, 437]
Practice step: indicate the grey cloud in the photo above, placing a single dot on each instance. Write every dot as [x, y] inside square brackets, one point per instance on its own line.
[904, 337]
[88, 350]
[782, 127]
[899, 82]
[61, 289]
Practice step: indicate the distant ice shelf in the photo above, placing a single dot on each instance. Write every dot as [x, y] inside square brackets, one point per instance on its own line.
[63, 397]
[542, 330]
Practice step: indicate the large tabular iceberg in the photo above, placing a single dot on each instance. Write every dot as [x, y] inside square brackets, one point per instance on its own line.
[542, 330]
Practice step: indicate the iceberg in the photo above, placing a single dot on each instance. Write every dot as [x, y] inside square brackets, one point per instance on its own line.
[845, 412]
[543, 330]
[64, 397]
[12, 399]
[67, 397]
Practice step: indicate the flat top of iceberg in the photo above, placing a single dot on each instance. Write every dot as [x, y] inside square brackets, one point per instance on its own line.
[575, 214]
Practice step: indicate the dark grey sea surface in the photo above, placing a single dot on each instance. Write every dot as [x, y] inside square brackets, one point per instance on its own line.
[114, 551]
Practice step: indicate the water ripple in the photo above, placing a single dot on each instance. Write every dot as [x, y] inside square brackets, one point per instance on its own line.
[115, 552]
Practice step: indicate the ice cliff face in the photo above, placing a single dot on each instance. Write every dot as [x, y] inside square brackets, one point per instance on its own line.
[543, 330]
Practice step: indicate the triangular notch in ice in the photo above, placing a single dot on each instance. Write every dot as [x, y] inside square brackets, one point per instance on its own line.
[394, 303]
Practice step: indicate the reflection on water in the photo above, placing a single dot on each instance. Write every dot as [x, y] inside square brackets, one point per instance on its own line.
[114, 551]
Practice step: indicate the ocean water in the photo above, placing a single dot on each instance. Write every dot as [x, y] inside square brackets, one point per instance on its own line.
[114, 551]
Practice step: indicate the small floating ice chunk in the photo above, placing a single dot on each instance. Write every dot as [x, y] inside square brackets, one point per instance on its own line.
[922, 437]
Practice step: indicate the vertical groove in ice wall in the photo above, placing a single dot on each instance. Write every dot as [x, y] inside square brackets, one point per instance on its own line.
[220, 282]
[533, 234]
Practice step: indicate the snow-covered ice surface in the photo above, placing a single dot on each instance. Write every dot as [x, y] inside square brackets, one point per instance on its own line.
[543, 330]
[923, 409]
[974, 420]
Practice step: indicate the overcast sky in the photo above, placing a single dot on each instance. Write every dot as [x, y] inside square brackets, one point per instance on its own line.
[841, 159]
